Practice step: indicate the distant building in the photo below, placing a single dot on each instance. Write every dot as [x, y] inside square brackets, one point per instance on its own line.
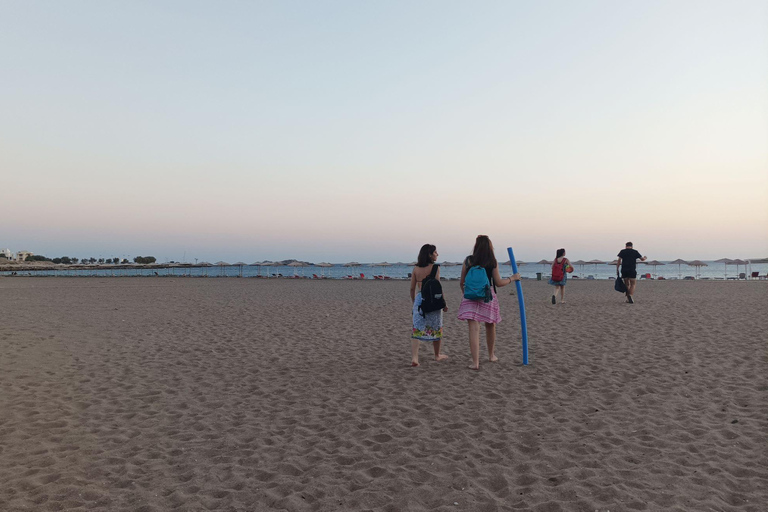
[7, 253]
[22, 255]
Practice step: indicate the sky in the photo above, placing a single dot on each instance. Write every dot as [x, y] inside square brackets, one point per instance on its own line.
[346, 130]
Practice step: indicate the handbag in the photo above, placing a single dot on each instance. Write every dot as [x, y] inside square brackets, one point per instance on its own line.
[619, 284]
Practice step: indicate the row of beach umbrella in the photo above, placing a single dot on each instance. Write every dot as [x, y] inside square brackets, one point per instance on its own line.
[581, 263]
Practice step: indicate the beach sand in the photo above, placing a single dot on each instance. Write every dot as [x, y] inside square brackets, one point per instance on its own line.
[149, 394]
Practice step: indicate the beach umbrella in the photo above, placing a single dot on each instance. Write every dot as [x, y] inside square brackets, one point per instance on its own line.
[240, 264]
[698, 264]
[544, 263]
[726, 262]
[265, 264]
[654, 263]
[596, 262]
[738, 262]
[678, 262]
[295, 265]
[382, 264]
[324, 265]
[204, 264]
[221, 265]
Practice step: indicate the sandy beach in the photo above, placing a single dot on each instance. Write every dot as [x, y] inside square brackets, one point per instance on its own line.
[151, 394]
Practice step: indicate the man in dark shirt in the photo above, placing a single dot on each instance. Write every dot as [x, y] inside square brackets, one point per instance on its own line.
[628, 262]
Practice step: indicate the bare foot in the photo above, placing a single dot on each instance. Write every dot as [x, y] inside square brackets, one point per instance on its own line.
[493, 359]
[414, 364]
[473, 367]
[441, 357]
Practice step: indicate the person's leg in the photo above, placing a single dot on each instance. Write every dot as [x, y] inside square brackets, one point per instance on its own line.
[554, 296]
[437, 345]
[415, 352]
[474, 343]
[626, 286]
[632, 285]
[562, 293]
[490, 339]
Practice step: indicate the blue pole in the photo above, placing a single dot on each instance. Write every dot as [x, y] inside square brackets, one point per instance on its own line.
[523, 324]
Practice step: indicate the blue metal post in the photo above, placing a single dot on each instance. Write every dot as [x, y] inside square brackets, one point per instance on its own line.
[523, 324]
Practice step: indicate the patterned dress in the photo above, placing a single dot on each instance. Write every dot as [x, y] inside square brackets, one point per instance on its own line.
[429, 327]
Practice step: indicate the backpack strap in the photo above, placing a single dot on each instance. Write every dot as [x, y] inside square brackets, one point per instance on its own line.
[432, 274]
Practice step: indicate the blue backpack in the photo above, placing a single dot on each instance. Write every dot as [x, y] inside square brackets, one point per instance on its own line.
[476, 284]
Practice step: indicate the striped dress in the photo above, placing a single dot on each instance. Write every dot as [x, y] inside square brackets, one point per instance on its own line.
[480, 311]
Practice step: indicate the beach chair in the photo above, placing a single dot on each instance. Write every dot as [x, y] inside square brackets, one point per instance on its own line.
[743, 275]
[755, 275]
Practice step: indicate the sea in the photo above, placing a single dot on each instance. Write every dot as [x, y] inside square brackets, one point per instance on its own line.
[712, 271]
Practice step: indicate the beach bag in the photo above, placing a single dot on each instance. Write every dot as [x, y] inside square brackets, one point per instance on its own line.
[476, 285]
[558, 272]
[619, 285]
[431, 293]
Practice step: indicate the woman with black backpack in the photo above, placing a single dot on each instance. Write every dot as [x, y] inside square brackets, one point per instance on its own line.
[479, 279]
[428, 304]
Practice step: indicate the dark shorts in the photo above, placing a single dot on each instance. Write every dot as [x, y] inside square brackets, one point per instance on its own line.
[628, 274]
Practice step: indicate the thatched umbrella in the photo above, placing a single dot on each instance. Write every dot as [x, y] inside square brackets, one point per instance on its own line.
[726, 262]
[580, 263]
[265, 264]
[295, 265]
[654, 263]
[738, 262]
[221, 265]
[544, 263]
[678, 262]
[324, 265]
[596, 262]
[698, 264]
[383, 264]
[205, 264]
[240, 264]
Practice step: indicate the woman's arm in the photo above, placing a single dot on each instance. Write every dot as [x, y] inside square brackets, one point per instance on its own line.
[413, 284]
[501, 282]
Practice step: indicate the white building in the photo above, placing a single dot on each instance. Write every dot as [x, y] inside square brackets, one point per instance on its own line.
[22, 255]
[7, 253]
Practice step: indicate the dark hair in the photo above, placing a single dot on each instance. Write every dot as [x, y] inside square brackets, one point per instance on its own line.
[629, 244]
[560, 252]
[424, 255]
[482, 254]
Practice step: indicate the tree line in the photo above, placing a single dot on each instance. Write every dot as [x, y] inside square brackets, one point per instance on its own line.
[68, 260]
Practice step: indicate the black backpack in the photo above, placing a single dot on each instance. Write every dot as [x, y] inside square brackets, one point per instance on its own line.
[431, 293]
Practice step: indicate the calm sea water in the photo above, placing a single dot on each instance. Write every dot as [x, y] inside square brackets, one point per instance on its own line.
[530, 270]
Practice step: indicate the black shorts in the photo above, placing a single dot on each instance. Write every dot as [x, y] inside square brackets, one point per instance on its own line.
[629, 274]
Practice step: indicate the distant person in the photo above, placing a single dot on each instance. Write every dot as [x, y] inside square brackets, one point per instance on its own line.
[628, 262]
[426, 326]
[560, 269]
[480, 275]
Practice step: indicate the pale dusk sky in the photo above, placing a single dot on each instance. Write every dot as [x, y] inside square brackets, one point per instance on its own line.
[351, 130]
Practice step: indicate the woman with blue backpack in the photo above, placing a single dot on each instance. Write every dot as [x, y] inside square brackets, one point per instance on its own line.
[479, 279]
[428, 304]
